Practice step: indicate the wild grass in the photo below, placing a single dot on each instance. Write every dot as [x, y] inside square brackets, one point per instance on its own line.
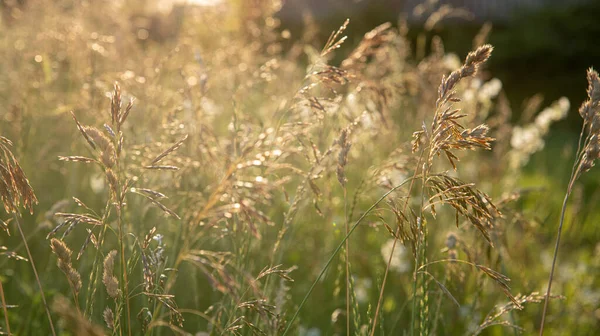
[206, 171]
[585, 157]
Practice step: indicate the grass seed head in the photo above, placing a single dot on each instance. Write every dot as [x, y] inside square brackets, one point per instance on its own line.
[108, 278]
[64, 263]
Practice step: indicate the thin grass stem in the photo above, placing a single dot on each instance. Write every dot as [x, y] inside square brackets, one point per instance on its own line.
[4, 309]
[93, 280]
[337, 250]
[574, 174]
[389, 262]
[37, 277]
[124, 280]
[347, 262]
[547, 299]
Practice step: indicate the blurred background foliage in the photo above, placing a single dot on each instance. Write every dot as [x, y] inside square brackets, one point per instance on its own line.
[542, 46]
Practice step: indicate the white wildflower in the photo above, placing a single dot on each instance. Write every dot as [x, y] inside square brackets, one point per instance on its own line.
[555, 112]
[468, 95]
[363, 286]
[527, 139]
[97, 183]
[452, 62]
[490, 89]
[476, 83]
[400, 258]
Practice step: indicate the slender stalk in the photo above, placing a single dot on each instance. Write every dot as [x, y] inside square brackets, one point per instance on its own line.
[189, 239]
[93, 279]
[436, 316]
[385, 275]
[347, 262]
[547, 299]
[389, 262]
[337, 250]
[124, 280]
[285, 231]
[37, 278]
[420, 246]
[424, 284]
[422, 255]
[413, 317]
[75, 297]
[574, 173]
[116, 322]
[4, 309]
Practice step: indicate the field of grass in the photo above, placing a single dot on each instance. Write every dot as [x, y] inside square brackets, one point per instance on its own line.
[200, 170]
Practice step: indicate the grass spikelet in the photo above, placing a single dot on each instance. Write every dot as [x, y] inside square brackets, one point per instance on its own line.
[501, 280]
[109, 318]
[343, 156]
[75, 158]
[99, 139]
[493, 318]
[368, 46]
[4, 226]
[64, 264]
[62, 252]
[113, 183]
[111, 283]
[115, 104]
[83, 132]
[168, 151]
[472, 63]
[91, 238]
[333, 42]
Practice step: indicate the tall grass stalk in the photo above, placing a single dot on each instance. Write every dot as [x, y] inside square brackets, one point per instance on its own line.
[588, 151]
[262, 101]
[560, 226]
[420, 258]
[347, 261]
[345, 145]
[389, 262]
[337, 250]
[124, 280]
[4, 309]
[94, 274]
[190, 239]
[16, 217]
[554, 258]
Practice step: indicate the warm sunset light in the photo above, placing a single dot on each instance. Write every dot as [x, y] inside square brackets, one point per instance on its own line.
[299, 167]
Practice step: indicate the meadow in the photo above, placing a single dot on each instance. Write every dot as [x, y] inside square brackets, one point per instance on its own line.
[201, 170]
